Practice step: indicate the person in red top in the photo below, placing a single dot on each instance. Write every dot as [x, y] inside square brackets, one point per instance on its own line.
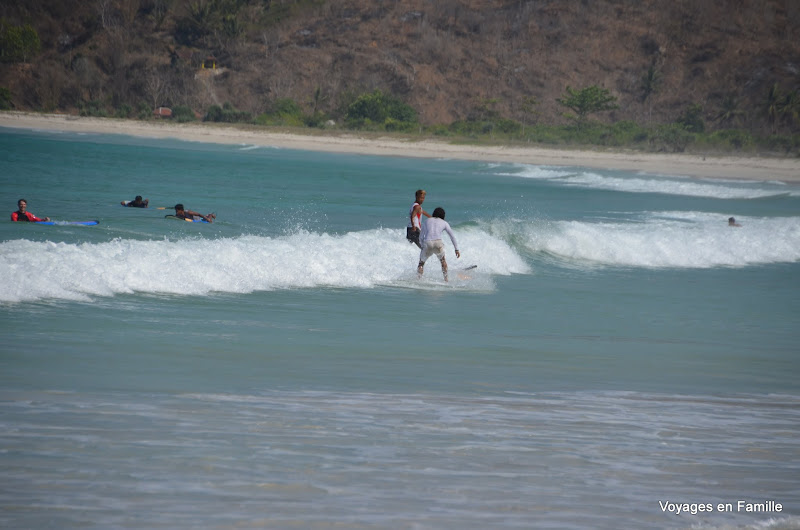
[24, 215]
[415, 218]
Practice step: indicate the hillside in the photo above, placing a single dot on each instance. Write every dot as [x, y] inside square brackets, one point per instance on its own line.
[448, 59]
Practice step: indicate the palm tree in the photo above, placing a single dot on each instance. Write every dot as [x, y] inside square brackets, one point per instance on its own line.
[790, 107]
[729, 111]
[528, 108]
[773, 106]
[651, 81]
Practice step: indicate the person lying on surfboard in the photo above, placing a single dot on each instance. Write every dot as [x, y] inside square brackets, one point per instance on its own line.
[24, 215]
[181, 213]
[431, 240]
[137, 202]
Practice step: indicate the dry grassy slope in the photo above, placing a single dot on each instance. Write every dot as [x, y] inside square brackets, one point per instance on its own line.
[448, 56]
[448, 59]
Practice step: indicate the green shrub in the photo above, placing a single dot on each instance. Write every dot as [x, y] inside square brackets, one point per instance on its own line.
[627, 132]
[183, 114]
[673, 138]
[286, 107]
[279, 120]
[781, 143]
[5, 99]
[545, 134]
[93, 108]
[735, 138]
[376, 107]
[316, 119]
[439, 130]
[391, 124]
[470, 127]
[123, 111]
[287, 112]
[692, 119]
[587, 132]
[214, 114]
[227, 114]
[18, 43]
[143, 111]
[507, 126]
[587, 100]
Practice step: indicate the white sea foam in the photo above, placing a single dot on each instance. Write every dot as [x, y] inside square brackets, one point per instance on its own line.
[45, 270]
[485, 455]
[668, 239]
[382, 257]
[669, 185]
[686, 187]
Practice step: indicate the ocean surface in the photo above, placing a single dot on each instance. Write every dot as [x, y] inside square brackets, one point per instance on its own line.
[620, 357]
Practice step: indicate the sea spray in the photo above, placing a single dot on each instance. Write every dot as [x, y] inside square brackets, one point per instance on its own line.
[641, 183]
[699, 240]
[198, 266]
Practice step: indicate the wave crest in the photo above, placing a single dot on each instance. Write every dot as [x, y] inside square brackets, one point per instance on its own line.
[45, 270]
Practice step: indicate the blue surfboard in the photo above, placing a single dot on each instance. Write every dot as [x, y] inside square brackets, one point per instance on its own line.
[65, 223]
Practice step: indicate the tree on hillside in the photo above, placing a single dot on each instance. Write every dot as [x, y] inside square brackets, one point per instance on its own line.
[486, 109]
[772, 106]
[729, 111]
[780, 107]
[651, 82]
[155, 84]
[587, 101]
[528, 110]
[18, 43]
[317, 100]
[5, 99]
[202, 20]
[692, 119]
[790, 108]
[486, 112]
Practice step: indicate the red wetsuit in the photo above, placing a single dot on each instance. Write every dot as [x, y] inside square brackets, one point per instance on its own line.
[27, 216]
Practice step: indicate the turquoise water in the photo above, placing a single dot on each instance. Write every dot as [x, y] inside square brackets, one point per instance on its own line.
[618, 347]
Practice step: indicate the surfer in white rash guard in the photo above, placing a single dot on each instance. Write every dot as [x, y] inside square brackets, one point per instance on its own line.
[431, 240]
[415, 217]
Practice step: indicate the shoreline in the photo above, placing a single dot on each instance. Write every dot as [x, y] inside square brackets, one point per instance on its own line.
[727, 167]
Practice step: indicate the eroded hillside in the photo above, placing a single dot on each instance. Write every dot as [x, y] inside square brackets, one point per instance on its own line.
[448, 59]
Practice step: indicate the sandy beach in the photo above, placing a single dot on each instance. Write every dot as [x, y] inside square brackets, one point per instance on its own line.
[753, 168]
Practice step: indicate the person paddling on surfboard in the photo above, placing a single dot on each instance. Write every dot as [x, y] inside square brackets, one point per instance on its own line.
[182, 213]
[415, 217]
[136, 203]
[24, 215]
[431, 240]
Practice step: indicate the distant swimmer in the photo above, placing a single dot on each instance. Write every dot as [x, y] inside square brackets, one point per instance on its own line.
[415, 218]
[24, 215]
[732, 222]
[182, 213]
[137, 202]
[431, 241]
